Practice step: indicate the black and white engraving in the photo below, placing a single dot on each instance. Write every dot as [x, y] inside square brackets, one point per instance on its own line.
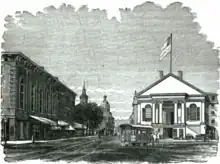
[78, 86]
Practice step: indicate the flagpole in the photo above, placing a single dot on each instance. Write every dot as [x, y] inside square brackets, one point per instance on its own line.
[171, 44]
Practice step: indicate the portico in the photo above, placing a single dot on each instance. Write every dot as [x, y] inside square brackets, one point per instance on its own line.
[172, 106]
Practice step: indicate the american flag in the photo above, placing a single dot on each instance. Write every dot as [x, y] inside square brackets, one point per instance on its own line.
[166, 47]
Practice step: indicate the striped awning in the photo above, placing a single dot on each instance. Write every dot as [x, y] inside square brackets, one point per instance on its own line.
[62, 123]
[79, 126]
[70, 128]
[44, 120]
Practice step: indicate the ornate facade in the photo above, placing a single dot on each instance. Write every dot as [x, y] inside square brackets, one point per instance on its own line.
[173, 107]
[33, 101]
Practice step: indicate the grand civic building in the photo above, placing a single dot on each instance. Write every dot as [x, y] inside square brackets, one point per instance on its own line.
[33, 101]
[175, 108]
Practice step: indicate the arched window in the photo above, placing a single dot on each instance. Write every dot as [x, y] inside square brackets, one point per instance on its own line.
[147, 113]
[21, 93]
[193, 113]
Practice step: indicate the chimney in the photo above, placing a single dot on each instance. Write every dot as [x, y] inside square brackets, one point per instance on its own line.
[180, 74]
[161, 74]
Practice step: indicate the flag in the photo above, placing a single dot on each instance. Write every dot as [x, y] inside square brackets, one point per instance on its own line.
[166, 48]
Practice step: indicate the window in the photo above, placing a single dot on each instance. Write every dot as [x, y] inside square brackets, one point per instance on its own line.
[213, 113]
[213, 98]
[213, 121]
[47, 102]
[193, 113]
[21, 92]
[41, 100]
[33, 97]
[147, 113]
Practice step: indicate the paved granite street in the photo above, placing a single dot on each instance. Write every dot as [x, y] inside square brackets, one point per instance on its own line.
[109, 149]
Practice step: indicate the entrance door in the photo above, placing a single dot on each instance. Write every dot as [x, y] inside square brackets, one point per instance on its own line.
[172, 117]
[170, 132]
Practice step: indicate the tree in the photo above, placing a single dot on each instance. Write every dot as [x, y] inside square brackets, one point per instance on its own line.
[88, 114]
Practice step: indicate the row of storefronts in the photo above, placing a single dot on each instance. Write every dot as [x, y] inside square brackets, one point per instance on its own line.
[34, 103]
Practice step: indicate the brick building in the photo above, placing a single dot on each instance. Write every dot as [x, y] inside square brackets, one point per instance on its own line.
[33, 101]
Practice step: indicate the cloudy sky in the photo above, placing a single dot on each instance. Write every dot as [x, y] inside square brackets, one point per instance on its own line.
[114, 57]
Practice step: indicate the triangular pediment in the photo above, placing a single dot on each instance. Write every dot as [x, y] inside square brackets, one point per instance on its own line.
[171, 84]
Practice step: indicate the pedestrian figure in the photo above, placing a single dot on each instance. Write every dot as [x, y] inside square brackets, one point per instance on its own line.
[153, 138]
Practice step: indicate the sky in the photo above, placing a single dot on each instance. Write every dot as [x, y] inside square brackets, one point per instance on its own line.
[117, 58]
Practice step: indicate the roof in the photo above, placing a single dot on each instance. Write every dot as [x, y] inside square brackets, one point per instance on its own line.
[44, 120]
[38, 66]
[174, 76]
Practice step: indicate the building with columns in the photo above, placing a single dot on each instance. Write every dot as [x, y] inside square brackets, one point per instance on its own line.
[173, 107]
[33, 101]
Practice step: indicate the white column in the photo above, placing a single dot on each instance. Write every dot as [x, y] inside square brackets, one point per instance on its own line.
[183, 113]
[160, 112]
[202, 111]
[156, 113]
[175, 113]
[177, 132]
[139, 113]
[153, 113]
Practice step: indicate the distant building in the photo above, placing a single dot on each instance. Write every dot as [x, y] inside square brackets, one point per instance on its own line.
[211, 114]
[108, 119]
[33, 101]
[84, 97]
[175, 107]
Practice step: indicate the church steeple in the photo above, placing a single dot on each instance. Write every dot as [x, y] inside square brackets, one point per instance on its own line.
[83, 96]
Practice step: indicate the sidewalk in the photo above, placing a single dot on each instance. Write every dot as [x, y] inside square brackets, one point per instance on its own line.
[44, 141]
[173, 141]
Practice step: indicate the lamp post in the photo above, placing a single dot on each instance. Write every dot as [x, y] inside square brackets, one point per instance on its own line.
[5, 126]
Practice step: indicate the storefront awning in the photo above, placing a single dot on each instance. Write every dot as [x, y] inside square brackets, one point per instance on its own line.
[70, 128]
[79, 126]
[55, 128]
[44, 120]
[62, 123]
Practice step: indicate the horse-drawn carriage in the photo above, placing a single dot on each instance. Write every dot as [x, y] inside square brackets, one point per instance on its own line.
[135, 135]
